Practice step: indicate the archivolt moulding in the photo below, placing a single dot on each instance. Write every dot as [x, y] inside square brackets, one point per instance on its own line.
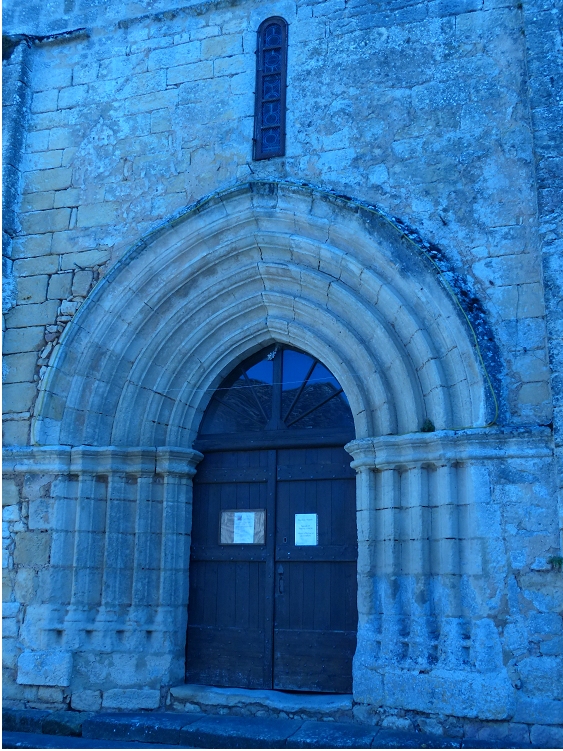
[256, 264]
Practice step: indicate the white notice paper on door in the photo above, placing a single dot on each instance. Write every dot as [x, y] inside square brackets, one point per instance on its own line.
[306, 529]
[244, 527]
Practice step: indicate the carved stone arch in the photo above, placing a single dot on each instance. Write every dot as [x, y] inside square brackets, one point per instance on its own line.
[123, 397]
[256, 264]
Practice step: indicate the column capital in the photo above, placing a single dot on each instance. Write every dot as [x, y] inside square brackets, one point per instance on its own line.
[177, 461]
[446, 446]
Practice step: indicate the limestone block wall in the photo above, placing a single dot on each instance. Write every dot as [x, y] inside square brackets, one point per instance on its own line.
[441, 114]
[131, 122]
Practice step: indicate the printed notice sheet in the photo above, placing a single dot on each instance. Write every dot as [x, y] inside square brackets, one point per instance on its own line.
[244, 527]
[306, 529]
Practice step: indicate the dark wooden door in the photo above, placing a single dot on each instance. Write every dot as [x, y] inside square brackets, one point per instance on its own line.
[315, 597]
[275, 615]
[230, 610]
[273, 611]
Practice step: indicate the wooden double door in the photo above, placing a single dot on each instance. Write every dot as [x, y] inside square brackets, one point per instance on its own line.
[271, 613]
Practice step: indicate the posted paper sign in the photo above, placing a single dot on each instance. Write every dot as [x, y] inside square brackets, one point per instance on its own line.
[244, 527]
[306, 529]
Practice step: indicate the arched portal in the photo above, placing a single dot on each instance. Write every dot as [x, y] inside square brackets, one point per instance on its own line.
[120, 409]
[258, 264]
[272, 599]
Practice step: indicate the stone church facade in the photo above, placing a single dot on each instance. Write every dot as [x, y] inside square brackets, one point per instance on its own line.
[409, 239]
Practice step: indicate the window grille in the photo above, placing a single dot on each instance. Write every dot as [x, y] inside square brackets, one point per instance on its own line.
[271, 74]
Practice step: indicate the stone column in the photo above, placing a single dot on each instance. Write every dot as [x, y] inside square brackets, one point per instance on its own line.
[430, 541]
[446, 569]
[417, 601]
[88, 538]
[177, 468]
[387, 567]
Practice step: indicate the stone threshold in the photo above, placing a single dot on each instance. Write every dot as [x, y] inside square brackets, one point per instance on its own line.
[175, 730]
[260, 703]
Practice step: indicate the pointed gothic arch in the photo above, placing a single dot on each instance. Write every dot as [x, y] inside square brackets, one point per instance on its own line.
[246, 268]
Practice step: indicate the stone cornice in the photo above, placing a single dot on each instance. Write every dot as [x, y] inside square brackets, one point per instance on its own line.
[445, 446]
[141, 460]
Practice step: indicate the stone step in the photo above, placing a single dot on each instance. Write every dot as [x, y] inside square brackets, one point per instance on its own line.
[12, 739]
[260, 703]
[197, 730]
[221, 731]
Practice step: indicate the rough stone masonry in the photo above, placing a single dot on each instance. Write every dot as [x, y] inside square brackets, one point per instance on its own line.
[410, 239]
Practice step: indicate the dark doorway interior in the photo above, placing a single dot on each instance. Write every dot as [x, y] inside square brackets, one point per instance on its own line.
[274, 545]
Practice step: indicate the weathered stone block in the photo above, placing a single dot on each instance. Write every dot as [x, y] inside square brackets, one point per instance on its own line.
[552, 647]
[538, 710]
[488, 696]
[122, 65]
[221, 46]
[98, 214]
[20, 368]
[51, 220]
[32, 289]
[64, 723]
[228, 66]
[155, 728]
[161, 121]
[72, 96]
[68, 197]
[15, 433]
[546, 623]
[39, 514]
[84, 259]
[31, 246]
[45, 668]
[32, 549]
[546, 736]
[179, 54]
[81, 283]
[38, 201]
[131, 698]
[24, 340]
[50, 695]
[10, 514]
[49, 179]
[45, 101]
[60, 286]
[52, 76]
[10, 492]
[85, 72]
[9, 627]
[25, 586]
[34, 314]
[43, 160]
[23, 720]
[86, 701]
[509, 732]
[542, 676]
[150, 102]
[38, 140]
[191, 72]
[10, 653]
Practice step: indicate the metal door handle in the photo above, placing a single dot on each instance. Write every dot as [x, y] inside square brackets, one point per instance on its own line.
[280, 580]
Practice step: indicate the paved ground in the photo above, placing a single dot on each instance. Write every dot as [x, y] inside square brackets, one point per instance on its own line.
[23, 729]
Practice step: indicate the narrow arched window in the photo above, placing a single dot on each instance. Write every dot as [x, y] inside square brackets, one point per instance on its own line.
[271, 67]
